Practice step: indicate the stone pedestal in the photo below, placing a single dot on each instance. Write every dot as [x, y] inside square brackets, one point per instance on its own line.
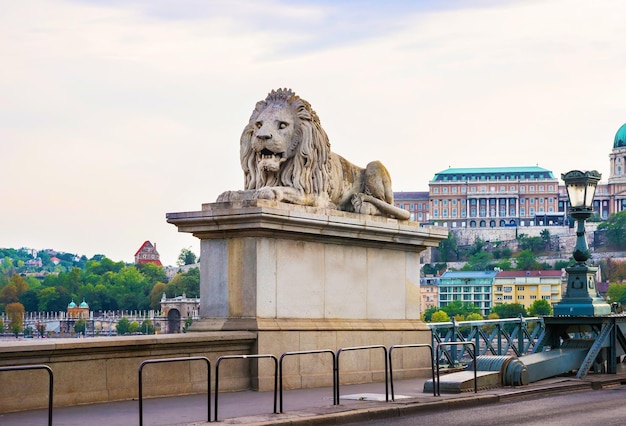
[306, 278]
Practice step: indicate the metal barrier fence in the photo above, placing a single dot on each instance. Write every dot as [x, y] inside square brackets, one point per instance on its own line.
[357, 348]
[217, 374]
[417, 345]
[472, 354]
[518, 335]
[50, 382]
[334, 367]
[160, 360]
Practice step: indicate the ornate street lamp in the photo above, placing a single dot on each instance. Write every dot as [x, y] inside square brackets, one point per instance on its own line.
[581, 297]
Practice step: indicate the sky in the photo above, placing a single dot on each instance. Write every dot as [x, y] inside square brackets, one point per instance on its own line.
[114, 113]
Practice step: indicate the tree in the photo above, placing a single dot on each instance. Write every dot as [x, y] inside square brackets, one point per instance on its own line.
[533, 244]
[185, 282]
[41, 328]
[15, 313]
[546, 238]
[504, 265]
[187, 324]
[478, 262]
[30, 300]
[428, 313]
[560, 264]
[509, 310]
[80, 326]
[456, 308]
[122, 326]
[155, 295]
[616, 293]
[440, 316]
[527, 261]
[147, 327]
[2, 327]
[133, 327]
[436, 269]
[186, 257]
[473, 317]
[448, 248]
[615, 227]
[540, 308]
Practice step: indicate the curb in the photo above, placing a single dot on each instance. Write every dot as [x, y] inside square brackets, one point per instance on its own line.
[340, 415]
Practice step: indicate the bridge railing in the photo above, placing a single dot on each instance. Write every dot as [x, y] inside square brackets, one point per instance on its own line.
[514, 336]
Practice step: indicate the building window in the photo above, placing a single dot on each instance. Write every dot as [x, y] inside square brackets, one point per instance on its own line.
[533, 297]
[520, 288]
[508, 297]
[520, 297]
[508, 289]
[435, 190]
[545, 297]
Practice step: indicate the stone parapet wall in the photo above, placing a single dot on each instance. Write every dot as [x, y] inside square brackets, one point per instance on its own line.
[105, 369]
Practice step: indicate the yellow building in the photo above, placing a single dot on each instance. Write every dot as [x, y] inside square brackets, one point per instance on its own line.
[524, 287]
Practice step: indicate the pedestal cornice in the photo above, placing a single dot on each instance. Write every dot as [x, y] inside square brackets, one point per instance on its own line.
[264, 218]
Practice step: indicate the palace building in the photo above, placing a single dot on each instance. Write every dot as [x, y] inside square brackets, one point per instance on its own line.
[493, 197]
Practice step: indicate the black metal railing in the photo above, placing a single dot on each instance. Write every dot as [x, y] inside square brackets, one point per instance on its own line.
[416, 345]
[358, 348]
[320, 351]
[50, 382]
[161, 360]
[217, 374]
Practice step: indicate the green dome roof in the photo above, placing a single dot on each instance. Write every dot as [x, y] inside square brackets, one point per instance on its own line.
[72, 304]
[84, 304]
[620, 137]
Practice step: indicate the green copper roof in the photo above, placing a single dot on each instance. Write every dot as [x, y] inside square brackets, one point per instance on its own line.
[72, 304]
[529, 171]
[620, 137]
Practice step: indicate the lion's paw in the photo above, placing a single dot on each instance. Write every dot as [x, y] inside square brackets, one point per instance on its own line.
[227, 196]
[268, 193]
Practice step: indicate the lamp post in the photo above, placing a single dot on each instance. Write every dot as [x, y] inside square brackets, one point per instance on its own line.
[581, 297]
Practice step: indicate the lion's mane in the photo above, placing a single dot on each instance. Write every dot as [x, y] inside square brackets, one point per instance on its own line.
[309, 169]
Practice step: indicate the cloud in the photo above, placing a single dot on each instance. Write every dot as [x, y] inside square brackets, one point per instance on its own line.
[113, 114]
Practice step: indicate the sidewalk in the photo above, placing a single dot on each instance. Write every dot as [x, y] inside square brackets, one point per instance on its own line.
[302, 406]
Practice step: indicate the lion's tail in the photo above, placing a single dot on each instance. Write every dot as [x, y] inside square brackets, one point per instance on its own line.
[387, 208]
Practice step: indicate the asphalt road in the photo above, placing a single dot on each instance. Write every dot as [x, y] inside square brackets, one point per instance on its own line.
[605, 407]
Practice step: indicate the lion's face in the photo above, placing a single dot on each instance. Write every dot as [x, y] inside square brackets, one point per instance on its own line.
[273, 132]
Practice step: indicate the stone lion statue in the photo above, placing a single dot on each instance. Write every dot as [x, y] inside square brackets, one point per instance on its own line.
[285, 155]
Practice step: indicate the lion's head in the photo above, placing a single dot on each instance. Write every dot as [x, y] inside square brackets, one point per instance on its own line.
[285, 145]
